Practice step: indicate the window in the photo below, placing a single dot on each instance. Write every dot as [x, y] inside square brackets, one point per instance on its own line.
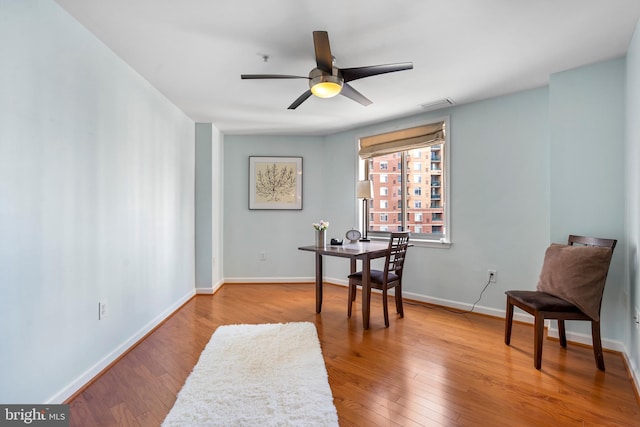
[419, 203]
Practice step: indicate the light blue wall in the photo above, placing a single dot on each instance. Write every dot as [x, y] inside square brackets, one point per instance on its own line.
[277, 233]
[96, 204]
[517, 184]
[500, 196]
[97, 199]
[217, 214]
[499, 183]
[208, 199]
[204, 205]
[587, 128]
[632, 153]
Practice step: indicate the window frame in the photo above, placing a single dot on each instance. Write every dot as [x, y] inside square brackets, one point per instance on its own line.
[425, 240]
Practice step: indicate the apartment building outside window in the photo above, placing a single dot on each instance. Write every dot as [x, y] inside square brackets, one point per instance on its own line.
[418, 180]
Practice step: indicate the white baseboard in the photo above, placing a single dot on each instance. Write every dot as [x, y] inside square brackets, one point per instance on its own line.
[211, 290]
[521, 317]
[634, 370]
[463, 306]
[96, 369]
[585, 338]
[252, 280]
[417, 297]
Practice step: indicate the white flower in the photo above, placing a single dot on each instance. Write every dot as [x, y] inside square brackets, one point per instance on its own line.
[321, 226]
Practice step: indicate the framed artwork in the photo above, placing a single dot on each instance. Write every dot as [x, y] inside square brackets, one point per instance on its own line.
[275, 182]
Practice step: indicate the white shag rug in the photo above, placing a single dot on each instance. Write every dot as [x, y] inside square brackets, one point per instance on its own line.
[257, 375]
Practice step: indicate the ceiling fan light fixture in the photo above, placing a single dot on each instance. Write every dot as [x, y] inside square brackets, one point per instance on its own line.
[326, 80]
[325, 86]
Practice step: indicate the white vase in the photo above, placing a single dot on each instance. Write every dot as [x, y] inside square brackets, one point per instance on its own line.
[321, 238]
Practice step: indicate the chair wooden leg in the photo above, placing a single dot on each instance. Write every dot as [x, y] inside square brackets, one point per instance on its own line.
[562, 334]
[508, 322]
[385, 307]
[597, 344]
[399, 307]
[537, 341]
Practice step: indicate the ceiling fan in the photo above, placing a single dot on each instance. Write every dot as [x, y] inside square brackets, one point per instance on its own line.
[327, 80]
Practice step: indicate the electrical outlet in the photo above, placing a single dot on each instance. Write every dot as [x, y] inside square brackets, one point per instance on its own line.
[102, 310]
[492, 276]
[263, 256]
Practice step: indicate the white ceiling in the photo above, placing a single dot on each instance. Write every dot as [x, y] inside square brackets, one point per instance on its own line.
[194, 51]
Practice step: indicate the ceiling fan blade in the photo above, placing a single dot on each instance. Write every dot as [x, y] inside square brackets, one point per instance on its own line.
[324, 60]
[300, 100]
[350, 74]
[351, 93]
[271, 76]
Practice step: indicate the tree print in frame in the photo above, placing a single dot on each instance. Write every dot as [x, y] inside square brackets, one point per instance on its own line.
[275, 182]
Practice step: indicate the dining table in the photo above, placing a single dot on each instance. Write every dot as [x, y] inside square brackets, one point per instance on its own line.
[358, 250]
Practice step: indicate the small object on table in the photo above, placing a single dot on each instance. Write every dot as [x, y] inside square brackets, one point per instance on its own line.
[335, 242]
[353, 235]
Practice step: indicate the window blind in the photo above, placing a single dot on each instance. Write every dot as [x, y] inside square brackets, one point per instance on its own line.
[402, 140]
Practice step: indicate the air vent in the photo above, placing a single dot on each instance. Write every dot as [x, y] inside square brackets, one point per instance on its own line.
[436, 105]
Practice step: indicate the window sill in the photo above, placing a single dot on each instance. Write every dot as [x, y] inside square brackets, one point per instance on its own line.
[421, 243]
[430, 243]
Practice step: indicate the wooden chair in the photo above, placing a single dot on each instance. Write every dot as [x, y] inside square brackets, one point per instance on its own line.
[389, 278]
[543, 305]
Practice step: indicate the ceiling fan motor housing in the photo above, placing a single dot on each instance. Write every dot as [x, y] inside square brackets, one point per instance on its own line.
[325, 85]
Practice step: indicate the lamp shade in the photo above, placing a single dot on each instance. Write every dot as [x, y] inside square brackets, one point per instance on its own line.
[365, 189]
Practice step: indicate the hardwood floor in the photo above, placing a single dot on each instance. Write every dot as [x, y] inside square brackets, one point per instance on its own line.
[431, 368]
